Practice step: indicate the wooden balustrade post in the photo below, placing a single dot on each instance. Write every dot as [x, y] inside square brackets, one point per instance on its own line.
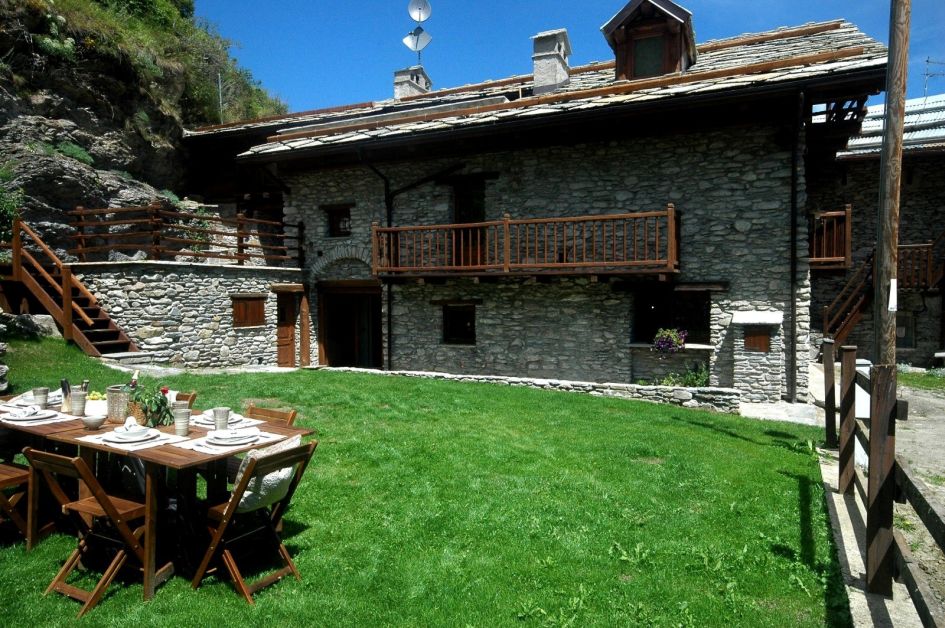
[80, 233]
[375, 248]
[830, 394]
[240, 240]
[66, 302]
[154, 211]
[880, 554]
[17, 245]
[848, 236]
[507, 249]
[847, 417]
[671, 236]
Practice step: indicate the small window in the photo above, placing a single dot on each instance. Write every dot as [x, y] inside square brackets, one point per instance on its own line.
[655, 309]
[249, 310]
[758, 338]
[905, 330]
[339, 220]
[648, 56]
[459, 324]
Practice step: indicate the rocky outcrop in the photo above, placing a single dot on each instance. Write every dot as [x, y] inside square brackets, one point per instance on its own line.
[80, 128]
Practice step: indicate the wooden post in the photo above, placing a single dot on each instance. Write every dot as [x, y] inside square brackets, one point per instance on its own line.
[154, 211]
[305, 332]
[375, 248]
[17, 246]
[80, 232]
[887, 222]
[671, 236]
[880, 557]
[847, 417]
[848, 236]
[66, 302]
[830, 395]
[507, 249]
[240, 241]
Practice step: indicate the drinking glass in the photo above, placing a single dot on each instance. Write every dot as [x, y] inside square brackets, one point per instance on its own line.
[78, 403]
[181, 421]
[221, 418]
[41, 397]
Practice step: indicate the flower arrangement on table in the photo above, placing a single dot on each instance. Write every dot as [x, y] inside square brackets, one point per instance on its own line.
[149, 405]
[669, 341]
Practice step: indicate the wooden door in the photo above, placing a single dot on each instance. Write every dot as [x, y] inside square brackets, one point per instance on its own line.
[286, 314]
[469, 207]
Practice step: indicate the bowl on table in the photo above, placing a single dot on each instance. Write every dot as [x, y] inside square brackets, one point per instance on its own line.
[93, 421]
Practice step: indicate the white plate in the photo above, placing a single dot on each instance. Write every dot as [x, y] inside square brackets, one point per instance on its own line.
[232, 442]
[207, 419]
[124, 437]
[42, 414]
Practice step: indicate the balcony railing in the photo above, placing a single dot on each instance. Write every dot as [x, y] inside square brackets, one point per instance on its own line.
[645, 242]
[831, 240]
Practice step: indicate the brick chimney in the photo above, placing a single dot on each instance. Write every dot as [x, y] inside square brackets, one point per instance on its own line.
[550, 58]
[412, 81]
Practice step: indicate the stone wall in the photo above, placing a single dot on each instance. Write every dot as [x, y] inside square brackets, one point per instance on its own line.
[731, 188]
[183, 314]
[922, 208]
[717, 399]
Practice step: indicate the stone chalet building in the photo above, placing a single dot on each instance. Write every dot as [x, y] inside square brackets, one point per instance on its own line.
[546, 225]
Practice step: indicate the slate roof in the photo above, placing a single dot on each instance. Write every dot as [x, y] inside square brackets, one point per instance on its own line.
[814, 51]
[923, 129]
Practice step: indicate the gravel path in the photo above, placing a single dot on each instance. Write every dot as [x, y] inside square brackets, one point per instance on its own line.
[920, 441]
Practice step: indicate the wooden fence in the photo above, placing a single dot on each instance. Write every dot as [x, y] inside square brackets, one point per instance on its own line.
[831, 244]
[639, 242]
[889, 479]
[164, 234]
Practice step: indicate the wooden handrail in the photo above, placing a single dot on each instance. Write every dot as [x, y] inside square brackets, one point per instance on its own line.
[42, 271]
[42, 245]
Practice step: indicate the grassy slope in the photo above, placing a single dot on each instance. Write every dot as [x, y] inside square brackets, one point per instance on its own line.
[433, 502]
[927, 381]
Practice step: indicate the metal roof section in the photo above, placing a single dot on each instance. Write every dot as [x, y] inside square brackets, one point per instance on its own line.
[814, 51]
[923, 129]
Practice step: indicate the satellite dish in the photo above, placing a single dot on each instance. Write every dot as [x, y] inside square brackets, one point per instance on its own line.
[419, 10]
[417, 39]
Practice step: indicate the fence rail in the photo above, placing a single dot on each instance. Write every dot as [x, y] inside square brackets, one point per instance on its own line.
[638, 242]
[161, 233]
[831, 244]
[889, 479]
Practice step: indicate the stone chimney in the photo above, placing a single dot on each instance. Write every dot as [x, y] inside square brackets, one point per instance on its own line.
[412, 81]
[550, 58]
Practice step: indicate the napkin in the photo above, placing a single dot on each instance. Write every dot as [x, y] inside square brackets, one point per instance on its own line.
[234, 433]
[25, 412]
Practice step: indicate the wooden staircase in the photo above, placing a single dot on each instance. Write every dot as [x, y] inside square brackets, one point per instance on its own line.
[67, 300]
[920, 268]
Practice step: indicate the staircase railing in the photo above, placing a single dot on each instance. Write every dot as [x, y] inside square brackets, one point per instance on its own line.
[25, 270]
[846, 308]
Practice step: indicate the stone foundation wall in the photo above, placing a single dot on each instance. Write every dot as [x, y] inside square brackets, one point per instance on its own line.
[717, 399]
[183, 312]
[732, 191]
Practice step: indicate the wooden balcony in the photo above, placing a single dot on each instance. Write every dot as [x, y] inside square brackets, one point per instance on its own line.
[638, 243]
[831, 240]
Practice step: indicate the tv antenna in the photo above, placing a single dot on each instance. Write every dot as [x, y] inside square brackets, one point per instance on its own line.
[929, 73]
[418, 39]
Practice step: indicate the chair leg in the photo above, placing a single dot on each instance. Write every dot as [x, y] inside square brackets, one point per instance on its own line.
[288, 561]
[216, 534]
[8, 507]
[96, 594]
[67, 568]
[236, 576]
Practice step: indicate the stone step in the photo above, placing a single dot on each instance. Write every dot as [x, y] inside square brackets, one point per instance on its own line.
[130, 357]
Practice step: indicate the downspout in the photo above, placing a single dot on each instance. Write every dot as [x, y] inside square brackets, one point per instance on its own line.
[389, 207]
[792, 331]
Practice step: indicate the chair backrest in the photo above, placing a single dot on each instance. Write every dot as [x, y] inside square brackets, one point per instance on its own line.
[258, 468]
[283, 417]
[189, 397]
[53, 466]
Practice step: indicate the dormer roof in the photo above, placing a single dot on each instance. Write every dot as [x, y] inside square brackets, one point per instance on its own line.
[670, 9]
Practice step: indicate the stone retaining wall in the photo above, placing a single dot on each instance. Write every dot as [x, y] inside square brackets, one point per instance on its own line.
[183, 314]
[717, 399]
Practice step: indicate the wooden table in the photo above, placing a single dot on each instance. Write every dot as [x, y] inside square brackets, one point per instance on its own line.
[155, 459]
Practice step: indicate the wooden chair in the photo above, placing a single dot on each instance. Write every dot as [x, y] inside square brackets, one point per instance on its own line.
[188, 397]
[110, 518]
[229, 525]
[13, 476]
[280, 417]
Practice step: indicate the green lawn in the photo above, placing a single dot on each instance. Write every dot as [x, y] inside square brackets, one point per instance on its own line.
[927, 380]
[438, 503]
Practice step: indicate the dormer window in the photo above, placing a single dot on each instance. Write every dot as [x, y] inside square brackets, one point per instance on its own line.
[651, 38]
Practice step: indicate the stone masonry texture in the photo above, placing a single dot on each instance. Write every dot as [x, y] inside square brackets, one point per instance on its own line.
[731, 188]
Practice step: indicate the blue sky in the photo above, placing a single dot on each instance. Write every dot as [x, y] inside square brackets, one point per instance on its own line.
[315, 54]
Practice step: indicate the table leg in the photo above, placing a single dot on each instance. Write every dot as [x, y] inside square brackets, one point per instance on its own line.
[32, 510]
[150, 528]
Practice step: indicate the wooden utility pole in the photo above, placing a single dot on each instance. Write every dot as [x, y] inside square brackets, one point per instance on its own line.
[882, 440]
[887, 220]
